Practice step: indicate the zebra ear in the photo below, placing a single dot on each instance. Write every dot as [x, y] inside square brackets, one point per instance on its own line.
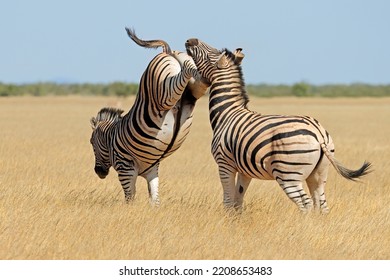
[222, 61]
[238, 56]
[93, 123]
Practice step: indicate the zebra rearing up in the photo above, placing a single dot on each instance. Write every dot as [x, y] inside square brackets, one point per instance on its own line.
[246, 145]
[156, 125]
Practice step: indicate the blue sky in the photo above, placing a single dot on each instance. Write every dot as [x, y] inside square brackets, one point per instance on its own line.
[319, 42]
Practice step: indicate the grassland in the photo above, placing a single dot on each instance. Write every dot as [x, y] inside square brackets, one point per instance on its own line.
[53, 206]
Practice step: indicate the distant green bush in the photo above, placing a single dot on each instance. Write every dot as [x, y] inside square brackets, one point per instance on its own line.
[301, 89]
[43, 89]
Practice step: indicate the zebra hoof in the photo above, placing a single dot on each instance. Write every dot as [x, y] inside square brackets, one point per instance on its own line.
[325, 211]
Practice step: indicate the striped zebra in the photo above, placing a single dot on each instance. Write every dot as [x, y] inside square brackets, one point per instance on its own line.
[156, 125]
[246, 144]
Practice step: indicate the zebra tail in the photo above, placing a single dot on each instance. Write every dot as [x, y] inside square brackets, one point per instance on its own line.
[343, 171]
[151, 44]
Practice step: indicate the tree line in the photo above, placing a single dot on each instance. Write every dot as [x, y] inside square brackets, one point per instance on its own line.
[301, 89]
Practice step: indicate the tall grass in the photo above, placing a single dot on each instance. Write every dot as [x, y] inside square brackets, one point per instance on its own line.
[53, 206]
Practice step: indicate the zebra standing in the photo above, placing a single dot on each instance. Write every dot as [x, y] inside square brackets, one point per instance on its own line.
[288, 149]
[156, 125]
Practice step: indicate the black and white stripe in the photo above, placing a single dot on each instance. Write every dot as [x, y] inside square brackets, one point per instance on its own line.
[156, 125]
[246, 145]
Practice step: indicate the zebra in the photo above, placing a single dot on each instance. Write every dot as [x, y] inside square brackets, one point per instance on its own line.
[246, 144]
[157, 124]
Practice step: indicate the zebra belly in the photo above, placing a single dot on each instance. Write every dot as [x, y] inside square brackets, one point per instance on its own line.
[167, 130]
[184, 123]
[287, 159]
[146, 145]
[170, 137]
[292, 166]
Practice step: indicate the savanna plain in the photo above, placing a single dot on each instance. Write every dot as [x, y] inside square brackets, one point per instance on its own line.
[53, 206]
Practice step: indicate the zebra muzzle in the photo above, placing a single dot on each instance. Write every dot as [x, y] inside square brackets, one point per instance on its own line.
[101, 172]
[192, 42]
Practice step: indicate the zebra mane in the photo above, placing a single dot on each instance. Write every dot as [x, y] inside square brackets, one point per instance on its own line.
[106, 114]
[232, 57]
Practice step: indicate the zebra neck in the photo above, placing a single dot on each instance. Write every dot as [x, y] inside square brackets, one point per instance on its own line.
[225, 99]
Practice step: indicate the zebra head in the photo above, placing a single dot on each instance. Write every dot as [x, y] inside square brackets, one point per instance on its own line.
[100, 139]
[211, 61]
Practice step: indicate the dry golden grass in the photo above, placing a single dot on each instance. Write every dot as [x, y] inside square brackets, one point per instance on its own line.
[53, 206]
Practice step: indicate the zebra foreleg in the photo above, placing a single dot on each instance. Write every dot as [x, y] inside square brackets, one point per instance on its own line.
[127, 175]
[228, 179]
[153, 183]
[241, 187]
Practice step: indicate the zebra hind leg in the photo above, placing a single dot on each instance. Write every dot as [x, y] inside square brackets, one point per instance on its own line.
[294, 190]
[316, 183]
[153, 184]
[317, 190]
[153, 192]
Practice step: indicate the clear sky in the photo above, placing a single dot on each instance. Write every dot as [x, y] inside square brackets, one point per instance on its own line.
[285, 41]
